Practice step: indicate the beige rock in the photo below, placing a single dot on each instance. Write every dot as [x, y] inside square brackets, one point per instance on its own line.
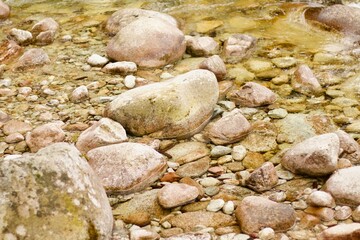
[45, 38]
[16, 126]
[350, 148]
[252, 95]
[175, 108]
[122, 67]
[194, 169]
[190, 236]
[149, 42]
[20, 36]
[44, 25]
[9, 49]
[341, 232]
[201, 46]
[263, 178]
[192, 182]
[324, 213]
[55, 185]
[305, 82]
[177, 194]
[79, 94]
[321, 199]
[237, 47]
[140, 234]
[262, 137]
[229, 129]
[188, 152]
[139, 164]
[4, 11]
[316, 156]
[14, 138]
[32, 58]
[45, 135]
[102, 133]
[216, 65]
[253, 160]
[4, 117]
[278, 216]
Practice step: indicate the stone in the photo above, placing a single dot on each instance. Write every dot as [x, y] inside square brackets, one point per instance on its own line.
[263, 178]
[9, 49]
[343, 186]
[14, 138]
[16, 126]
[228, 129]
[170, 177]
[259, 65]
[95, 60]
[201, 46]
[321, 199]
[278, 113]
[122, 67]
[140, 234]
[166, 233]
[356, 214]
[229, 207]
[22, 37]
[224, 88]
[284, 62]
[215, 205]
[79, 94]
[350, 148]
[316, 156]
[4, 11]
[45, 38]
[130, 81]
[238, 152]
[187, 221]
[123, 17]
[175, 108]
[219, 151]
[305, 82]
[349, 231]
[33, 57]
[209, 182]
[102, 133]
[342, 213]
[190, 236]
[253, 160]
[237, 47]
[252, 95]
[262, 137]
[267, 234]
[324, 213]
[141, 209]
[57, 173]
[188, 152]
[4, 117]
[47, 24]
[216, 65]
[177, 194]
[45, 135]
[139, 164]
[159, 42]
[194, 169]
[278, 216]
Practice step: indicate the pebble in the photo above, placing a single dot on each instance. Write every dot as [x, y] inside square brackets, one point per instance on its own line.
[209, 182]
[120, 67]
[21, 36]
[215, 205]
[219, 151]
[130, 81]
[278, 113]
[79, 94]
[267, 234]
[321, 199]
[356, 214]
[96, 60]
[212, 191]
[228, 207]
[278, 197]
[14, 138]
[238, 152]
[342, 213]
[177, 194]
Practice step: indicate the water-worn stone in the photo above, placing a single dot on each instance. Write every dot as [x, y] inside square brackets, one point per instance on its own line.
[44, 31]
[45, 135]
[350, 148]
[216, 65]
[79, 94]
[149, 42]
[344, 186]
[201, 46]
[16, 126]
[349, 231]
[342, 213]
[305, 82]
[252, 95]
[175, 108]
[177, 194]
[140, 234]
[194, 169]
[187, 221]
[122, 67]
[229, 129]
[253, 160]
[102, 133]
[277, 216]
[188, 152]
[215, 205]
[190, 236]
[263, 178]
[4, 11]
[14, 138]
[96, 60]
[9, 49]
[123, 17]
[139, 165]
[22, 37]
[55, 188]
[321, 199]
[32, 58]
[237, 47]
[316, 156]
[262, 137]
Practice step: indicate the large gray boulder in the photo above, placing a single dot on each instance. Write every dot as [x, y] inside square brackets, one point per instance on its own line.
[53, 194]
[175, 108]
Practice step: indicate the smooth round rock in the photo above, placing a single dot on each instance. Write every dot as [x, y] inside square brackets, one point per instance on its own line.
[177, 194]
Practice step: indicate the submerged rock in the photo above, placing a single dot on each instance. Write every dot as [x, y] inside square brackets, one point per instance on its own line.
[175, 108]
[216, 65]
[44, 31]
[305, 82]
[32, 58]
[201, 46]
[237, 47]
[55, 188]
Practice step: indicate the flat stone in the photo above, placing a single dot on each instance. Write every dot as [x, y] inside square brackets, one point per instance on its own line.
[57, 173]
[278, 216]
[139, 234]
[188, 152]
[194, 169]
[209, 182]
[349, 231]
[262, 137]
[14, 138]
[253, 160]
[176, 108]
[263, 178]
[215, 205]
[177, 194]
[238, 153]
[195, 206]
[284, 62]
[233, 192]
[316, 156]
[122, 67]
[190, 236]
[278, 113]
[259, 65]
[342, 213]
[16, 126]
[139, 164]
[33, 57]
[219, 151]
[324, 213]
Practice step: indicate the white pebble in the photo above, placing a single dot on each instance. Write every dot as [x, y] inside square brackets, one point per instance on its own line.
[25, 91]
[209, 182]
[215, 205]
[79, 94]
[48, 91]
[130, 81]
[96, 60]
[166, 225]
[278, 113]
[238, 152]
[267, 234]
[219, 151]
[229, 207]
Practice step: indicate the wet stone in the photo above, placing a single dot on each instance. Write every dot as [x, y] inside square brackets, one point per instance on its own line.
[201, 46]
[216, 65]
[177, 194]
[341, 231]
[194, 169]
[96, 60]
[32, 58]
[320, 199]
[122, 67]
[284, 62]
[263, 178]
[22, 37]
[237, 47]
[305, 82]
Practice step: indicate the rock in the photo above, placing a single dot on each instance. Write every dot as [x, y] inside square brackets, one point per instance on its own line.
[216, 65]
[16, 126]
[130, 81]
[321, 199]
[95, 60]
[263, 178]
[316, 156]
[259, 65]
[45, 135]
[170, 177]
[44, 31]
[141, 209]
[59, 187]
[9, 49]
[350, 148]
[175, 108]
[188, 152]
[252, 95]
[229, 129]
[267, 234]
[262, 137]
[192, 182]
[102, 133]
[342, 213]
[253, 160]
[4, 11]
[187, 221]
[122, 67]
[190, 236]
[194, 169]
[278, 216]
[305, 82]
[4, 117]
[140, 234]
[177, 194]
[79, 94]
[32, 58]
[149, 42]
[219, 151]
[228, 207]
[171, 232]
[349, 231]
[139, 164]
[215, 205]
[356, 214]
[22, 37]
[209, 182]
[237, 47]
[238, 152]
[343, 186]
[123, 17]
[284, 62]
[14, 138]
[201, 46]
[278, 113]
[45, 38]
